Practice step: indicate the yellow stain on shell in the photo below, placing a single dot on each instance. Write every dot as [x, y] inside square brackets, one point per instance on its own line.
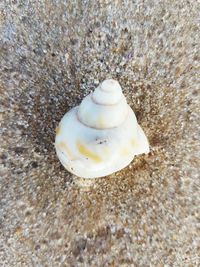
[134, 143]
[100, 122]
[57, 130]
[87, 153]
[124, 151]
[64, 147]
[105, 150]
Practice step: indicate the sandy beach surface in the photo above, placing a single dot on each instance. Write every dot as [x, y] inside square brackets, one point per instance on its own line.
[52, 54]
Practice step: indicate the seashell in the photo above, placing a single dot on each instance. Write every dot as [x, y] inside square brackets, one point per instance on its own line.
[101, 135]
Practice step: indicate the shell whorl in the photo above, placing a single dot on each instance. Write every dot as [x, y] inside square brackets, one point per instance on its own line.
[105, 108]
[108, 93]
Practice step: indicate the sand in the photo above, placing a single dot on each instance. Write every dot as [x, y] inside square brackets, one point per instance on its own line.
[52, 53]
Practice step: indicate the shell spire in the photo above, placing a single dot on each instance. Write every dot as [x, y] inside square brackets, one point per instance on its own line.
[106, 107]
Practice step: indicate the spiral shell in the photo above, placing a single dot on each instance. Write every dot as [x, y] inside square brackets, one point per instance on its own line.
[101, 135]
[105, 108]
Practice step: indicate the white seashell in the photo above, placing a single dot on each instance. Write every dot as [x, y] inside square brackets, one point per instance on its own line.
[101, 135]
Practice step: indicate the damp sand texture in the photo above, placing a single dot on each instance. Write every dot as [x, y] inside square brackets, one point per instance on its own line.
[52, 54]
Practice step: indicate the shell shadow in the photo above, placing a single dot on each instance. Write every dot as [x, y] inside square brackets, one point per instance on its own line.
[43, 104]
